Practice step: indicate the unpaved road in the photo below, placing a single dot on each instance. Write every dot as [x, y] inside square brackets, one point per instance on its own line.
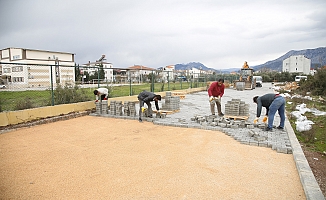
[105, 158]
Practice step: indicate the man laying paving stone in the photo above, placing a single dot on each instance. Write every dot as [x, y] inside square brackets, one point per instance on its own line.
[147, 97]
[272, 102]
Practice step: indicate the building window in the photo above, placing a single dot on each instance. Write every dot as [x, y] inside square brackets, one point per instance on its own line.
[30, 76]
[6, 70]
[16, 57]
[18, 79]
[17, 69]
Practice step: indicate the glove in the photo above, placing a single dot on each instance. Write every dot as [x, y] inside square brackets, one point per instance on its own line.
[211, 98]
[256, 120]
[265, 119]
[105, 98]
[219, 99]
[143, 109]
[96, 101]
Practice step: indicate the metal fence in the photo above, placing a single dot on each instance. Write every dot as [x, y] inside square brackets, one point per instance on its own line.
[26, 85]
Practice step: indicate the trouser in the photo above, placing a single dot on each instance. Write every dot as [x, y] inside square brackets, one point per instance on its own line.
[149, 111]
[277, 105]
[218, 105]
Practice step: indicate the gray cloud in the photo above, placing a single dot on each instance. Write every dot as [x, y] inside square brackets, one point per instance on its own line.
[220, 34]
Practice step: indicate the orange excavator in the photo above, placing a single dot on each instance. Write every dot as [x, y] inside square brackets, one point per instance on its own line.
[246, 80]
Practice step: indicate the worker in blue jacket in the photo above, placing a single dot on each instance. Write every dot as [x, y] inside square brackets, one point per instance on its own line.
[272, 102]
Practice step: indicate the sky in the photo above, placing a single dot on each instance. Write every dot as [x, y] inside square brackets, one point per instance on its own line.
[220, 34]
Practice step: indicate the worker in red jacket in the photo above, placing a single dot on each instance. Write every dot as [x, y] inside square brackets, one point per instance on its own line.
[215, 92]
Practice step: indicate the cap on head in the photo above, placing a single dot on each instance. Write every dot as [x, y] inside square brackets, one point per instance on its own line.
[255, 99]
[158, 97]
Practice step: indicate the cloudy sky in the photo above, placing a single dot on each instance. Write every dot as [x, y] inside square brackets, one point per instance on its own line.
[221, 34]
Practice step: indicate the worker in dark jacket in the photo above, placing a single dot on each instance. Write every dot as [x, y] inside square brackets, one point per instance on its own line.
[147, 97]
[272, 102]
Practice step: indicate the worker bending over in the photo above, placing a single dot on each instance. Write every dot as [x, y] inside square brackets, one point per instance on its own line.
[147, 97]
[102, 92]
[272, 102]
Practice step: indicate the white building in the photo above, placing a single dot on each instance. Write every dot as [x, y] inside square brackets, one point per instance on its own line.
[91, 67]
[168, 73]
[139, 73]
[24, 68]
[299, 64]
[195, 73]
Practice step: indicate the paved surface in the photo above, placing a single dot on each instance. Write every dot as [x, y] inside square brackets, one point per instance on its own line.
[282, 141]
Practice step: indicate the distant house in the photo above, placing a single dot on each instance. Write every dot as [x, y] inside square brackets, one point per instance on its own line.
[168, 73]
[139, 73]
[297, 64]
[92, 67]
[32, 68]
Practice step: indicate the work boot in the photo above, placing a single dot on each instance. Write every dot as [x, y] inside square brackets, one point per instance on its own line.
[267, 129]
[140, 120]
[221, 114]
[281, 128]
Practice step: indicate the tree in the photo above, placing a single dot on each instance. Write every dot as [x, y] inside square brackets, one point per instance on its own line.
[78, 74]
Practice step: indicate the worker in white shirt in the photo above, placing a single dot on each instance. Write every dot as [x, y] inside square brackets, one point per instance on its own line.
[102, 92]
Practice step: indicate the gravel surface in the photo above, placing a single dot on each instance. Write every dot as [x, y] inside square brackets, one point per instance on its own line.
[105, 158]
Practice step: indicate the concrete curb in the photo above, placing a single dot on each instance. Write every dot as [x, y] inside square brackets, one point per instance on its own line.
[307, 178]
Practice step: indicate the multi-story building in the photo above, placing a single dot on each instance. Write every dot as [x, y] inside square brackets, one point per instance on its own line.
[28, 68]
[298, 63]
[139, 73]
[92, 67]
[168, 73]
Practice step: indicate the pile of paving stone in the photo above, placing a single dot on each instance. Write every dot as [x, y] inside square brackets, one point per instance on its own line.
[236, 107]
[171, 102]
[241, 130]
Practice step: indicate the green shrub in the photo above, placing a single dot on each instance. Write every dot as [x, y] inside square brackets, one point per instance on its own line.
[24, 103]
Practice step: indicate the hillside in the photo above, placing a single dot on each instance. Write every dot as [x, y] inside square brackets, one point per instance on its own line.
[317, 56]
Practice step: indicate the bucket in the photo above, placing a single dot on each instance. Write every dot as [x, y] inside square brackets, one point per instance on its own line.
[240, 85]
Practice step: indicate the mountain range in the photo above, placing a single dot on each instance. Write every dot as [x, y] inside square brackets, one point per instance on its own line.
[317, 56]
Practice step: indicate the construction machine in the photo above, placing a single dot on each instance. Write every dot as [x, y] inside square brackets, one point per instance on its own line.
[246, 80]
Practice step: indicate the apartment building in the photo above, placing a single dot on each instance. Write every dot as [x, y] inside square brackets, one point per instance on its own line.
[92, 67]
[139, 73]
[30, 68]
[298, 63]
[168, 73]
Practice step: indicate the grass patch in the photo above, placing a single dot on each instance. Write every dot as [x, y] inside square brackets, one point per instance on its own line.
[314, 139]
[18, 100]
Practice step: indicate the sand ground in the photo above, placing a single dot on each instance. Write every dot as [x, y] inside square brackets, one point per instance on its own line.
[105, 158]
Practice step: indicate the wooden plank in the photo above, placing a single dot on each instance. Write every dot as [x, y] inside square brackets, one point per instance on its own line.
[236, 117]
[166, 111]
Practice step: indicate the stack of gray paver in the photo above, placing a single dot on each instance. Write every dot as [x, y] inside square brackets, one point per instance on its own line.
[98, 107]
[101, 107]
[118, 108]
[104, 107]
[112, 108]
[132, 109]
[171, 102]
[236, 107]
[126, 111]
